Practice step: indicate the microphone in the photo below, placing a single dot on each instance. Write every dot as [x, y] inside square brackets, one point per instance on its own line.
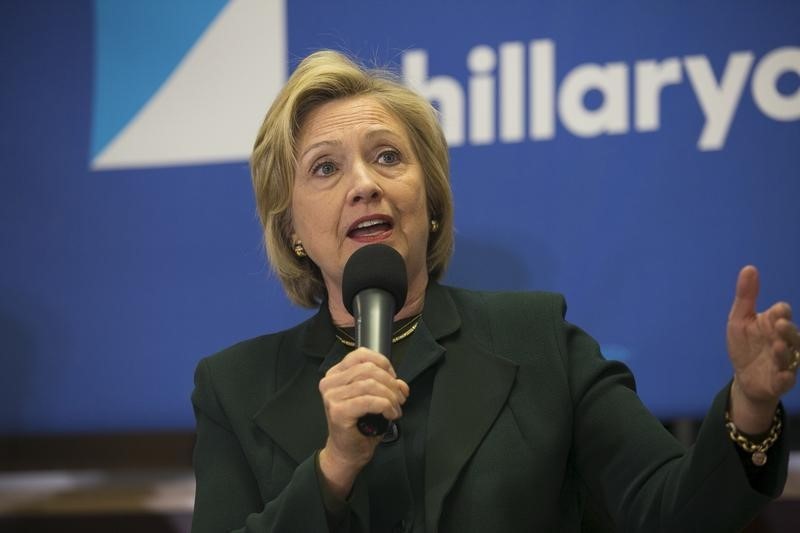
[374, 287]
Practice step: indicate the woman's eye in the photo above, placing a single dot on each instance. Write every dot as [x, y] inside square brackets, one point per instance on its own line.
[326, 168]
[389, 157]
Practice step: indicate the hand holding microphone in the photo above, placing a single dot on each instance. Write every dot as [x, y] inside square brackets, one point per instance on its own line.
[374, 287]
[364, 381]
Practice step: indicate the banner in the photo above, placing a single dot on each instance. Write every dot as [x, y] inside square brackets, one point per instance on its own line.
[630, 156]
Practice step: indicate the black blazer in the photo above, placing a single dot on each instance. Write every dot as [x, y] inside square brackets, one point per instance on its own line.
[526, 421]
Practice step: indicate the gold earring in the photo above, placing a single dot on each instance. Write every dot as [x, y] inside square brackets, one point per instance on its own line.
[434, 226]
[299, 251]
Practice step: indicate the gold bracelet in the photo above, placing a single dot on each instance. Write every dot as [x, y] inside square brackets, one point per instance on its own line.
[758, 450]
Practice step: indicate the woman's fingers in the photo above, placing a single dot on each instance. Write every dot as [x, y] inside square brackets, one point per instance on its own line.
[367, 387]
[360, 356]
[744, 303]
[360, 374]
[786, 344]
[787, 331]
[362, 382]
[347, 412]
[404, 388]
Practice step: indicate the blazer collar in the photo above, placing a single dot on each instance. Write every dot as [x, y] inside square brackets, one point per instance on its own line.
[294, 417]
[440, 314]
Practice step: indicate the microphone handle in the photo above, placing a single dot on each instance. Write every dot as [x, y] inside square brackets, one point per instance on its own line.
[373, 310]
[372, 425]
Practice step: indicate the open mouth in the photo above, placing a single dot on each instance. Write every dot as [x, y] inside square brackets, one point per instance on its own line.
[369, 228]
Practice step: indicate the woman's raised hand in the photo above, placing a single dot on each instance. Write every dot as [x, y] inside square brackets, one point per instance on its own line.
[764, 349]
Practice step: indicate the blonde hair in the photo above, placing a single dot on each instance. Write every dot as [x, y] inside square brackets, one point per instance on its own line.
[321, 77]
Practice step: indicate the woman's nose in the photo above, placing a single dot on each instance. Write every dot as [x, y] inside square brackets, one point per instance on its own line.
[365, 187]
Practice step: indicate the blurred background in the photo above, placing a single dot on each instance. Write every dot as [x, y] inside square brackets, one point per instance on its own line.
[631, 155]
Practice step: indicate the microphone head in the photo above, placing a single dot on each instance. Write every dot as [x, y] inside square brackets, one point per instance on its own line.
[375, 266]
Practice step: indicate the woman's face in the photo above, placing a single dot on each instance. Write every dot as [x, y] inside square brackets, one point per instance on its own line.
[358, 182]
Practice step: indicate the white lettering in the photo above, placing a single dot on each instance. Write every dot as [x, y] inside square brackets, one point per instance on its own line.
[444, 90]
[765, 84]
[651, 77]
[481, 61]
[612, 115]
[512, 89]
[718, 101]
[496, 86]
[542, 89]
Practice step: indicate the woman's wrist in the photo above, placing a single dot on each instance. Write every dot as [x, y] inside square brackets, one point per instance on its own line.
[338, 475]
[750, 417]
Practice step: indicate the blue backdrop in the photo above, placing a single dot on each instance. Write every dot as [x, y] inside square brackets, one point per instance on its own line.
[633, 156]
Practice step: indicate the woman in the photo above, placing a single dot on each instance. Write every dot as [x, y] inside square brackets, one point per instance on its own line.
[509, 417]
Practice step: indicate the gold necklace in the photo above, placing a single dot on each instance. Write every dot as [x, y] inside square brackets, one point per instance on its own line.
[401, 333]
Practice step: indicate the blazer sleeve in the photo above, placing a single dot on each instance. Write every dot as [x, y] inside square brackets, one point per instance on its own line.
[646, 479]
[227, 496]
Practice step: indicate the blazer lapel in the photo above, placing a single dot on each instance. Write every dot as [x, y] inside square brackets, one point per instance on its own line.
[470, 390]
[294, 417]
